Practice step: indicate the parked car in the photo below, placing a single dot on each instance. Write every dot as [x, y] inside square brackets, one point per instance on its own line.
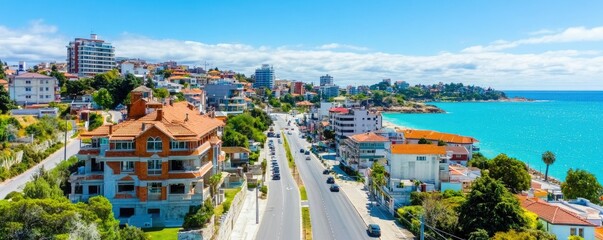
[276, 177]
[330, 180]
[334, 188]
[374, 230]
[308, 158]
[307, 152]
[302, 150]
[325, 172]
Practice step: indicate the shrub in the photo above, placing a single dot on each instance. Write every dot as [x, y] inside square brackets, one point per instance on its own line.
[264, 189]
[198, 216]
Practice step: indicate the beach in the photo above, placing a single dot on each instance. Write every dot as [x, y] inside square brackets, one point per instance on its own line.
[388, 124]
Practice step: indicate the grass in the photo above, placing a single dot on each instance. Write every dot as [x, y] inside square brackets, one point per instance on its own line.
[306, 224]
[302, 193]
[162, 233]
[229, 195]
[288, 151]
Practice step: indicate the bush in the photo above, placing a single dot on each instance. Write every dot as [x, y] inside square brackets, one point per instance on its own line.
[409, 215]
[94, 121]
[264, 189]
[251, 185]
[198, 216]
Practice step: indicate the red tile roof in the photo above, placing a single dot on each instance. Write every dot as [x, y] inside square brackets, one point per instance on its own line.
[339, 110]
[553, 214]
[368, 137]
[31, 75]
[417, 149]
[436, 136]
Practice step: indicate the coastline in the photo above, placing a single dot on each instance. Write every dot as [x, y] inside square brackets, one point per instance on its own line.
[535, 174]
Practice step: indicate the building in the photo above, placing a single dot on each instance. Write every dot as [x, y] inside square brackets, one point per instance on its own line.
[87, 57]
[326, 80]
[558, 220]
[226, 95]
[329, 91]
[135, 68]
[359, 151]
[34, 88]
[414, 136]
[236, 156]
[349, 121]
[264, 77]
[196, 97]
[408, 165]
[299, 88]
[352, 90]
[152, 167]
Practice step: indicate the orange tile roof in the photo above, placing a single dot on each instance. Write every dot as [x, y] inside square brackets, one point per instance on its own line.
[417, 149]
[192, 91]
[553, 214]
[235, 150]
[368, 137]
[433, 135]
[599, 233]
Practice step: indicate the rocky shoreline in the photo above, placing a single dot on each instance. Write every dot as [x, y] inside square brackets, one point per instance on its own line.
[413, 108]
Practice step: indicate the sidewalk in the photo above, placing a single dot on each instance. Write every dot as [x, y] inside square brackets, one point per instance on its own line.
[245, 227]
[373, 214]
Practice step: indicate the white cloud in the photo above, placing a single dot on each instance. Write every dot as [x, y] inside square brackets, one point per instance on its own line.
[542, 32]
[573, 34]
[567, 69]
[333, 46]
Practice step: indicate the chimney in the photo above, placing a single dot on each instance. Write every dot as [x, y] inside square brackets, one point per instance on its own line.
[186, 118]
[143, 126]
[159, 114]
[110, 129]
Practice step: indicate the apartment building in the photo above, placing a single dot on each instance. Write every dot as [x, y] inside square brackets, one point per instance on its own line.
[226, 95]
[326, 80]
[88, 57]
[136, 68]
[34, 88]
[361, 150]
[414, 136]
[329, 91]
[264, 77]
[350, 121]
[152, 167]
[298, 88]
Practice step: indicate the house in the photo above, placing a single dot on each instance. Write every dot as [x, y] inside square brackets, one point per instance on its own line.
[196, 97]
[137, 68]
[33, 88]
[411, 163]
[361, 150]
[413, 136]
[154, 165]
[237, 156]
[458, 178]
[558, 220]
[458, 154]
[226, 95]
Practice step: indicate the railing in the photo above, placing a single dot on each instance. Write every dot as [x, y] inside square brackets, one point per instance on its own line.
[154, 196]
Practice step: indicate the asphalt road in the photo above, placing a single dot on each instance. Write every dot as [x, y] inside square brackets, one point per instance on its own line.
[282, 218]
[17, 183]
[332, 214]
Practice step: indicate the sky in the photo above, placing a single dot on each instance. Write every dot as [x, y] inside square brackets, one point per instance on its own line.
[507, 45]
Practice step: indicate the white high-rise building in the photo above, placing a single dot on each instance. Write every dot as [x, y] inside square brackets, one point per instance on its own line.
[34, 88]
[87, 57]
[326, 80]
[264, 77]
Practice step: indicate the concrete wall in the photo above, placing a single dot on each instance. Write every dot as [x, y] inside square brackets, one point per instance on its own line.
[228, 219]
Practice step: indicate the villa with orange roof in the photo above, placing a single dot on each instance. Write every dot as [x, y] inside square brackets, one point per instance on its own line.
[413, 136]
[558, 220]
[360, 151]
[152, 167]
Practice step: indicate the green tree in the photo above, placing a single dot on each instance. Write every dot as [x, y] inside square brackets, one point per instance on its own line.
[424, 141]
[2, 73]
[442, 143]
[548, 158]
[77, 88]
[378, 178]
[524, 235]
[40, 188]
[479, 161]
[490, 206]
[161, 93]
[328, 134]
[198, 216]
[58, 75]
[440, 213]
[103, 98]
[94, 121]
[479, 234]
[149, 83]
[6, 104]
[512, 172]
[214, 180]
[580, 183]
[132, 233]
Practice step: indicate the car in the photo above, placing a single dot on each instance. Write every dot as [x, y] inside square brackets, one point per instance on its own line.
[274, 163]
[276, 177]
[308, 158]
[307, 152]
[278, 135]
[302, 150]
[289, 132]
[330, 180]
[280, 142]
[374, 230]
[325, 172]
[334, 188]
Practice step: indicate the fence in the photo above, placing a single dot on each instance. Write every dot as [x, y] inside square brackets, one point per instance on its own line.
[227, 221]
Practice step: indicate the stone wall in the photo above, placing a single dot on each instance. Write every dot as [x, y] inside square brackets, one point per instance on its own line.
[205, 233]
[227, 221]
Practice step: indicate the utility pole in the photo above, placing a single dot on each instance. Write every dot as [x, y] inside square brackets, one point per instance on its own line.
[423, 227]
[257, 205]
[65, 152]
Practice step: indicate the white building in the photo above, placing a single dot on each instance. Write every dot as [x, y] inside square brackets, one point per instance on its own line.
[361, 150]
[559, 221]
[136, 69]
[348, 121]
[87, 57]
[34, 88]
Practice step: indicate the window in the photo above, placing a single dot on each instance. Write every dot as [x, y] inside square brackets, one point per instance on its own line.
[178, 145]
[47, 96]
[581, 232]
[46, 88]
[123, 145]
[93, 189]
[572, 231]
[127, 166]
[154, 211]
[154, 144]
[125, 187]
[126, 212]
[421, 158]
[177, 188]
[154, 167]
[28, 89]
[155, 187]
[41, 89]
[28, 82]
[28, 96]
[41, 96]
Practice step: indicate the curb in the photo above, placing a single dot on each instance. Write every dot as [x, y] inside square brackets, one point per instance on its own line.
[356, 210]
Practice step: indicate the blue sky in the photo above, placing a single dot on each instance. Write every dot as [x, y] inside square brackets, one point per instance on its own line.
[503, 44]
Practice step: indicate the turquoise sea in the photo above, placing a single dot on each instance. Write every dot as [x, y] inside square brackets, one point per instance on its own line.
[569, 123]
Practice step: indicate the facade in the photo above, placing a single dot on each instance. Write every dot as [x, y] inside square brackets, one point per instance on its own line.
[559, 221]
[329, 91]
[134, 68]
[361, 150]
[326, 80]
[237, 156]
[196, 97]
[152, 167]
[87, 57]
[350, 121]
[34, 88]
[299, 88]
[352, 90]
[264, 77]
[413, 137]
[226, 95]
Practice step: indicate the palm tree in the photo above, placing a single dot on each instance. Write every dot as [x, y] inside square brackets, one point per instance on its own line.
[548, 158]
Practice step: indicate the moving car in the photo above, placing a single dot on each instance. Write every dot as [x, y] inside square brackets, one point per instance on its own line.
[330, 180]
[302, 150]
[374, 230]
[334, 188]
[308, 158]
[326, 171]
[307, 152]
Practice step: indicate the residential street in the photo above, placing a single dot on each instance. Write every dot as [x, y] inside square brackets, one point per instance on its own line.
[282, 218]
[17, 183]
[332, 214]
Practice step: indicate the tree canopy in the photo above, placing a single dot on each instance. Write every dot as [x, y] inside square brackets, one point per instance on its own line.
[580, 183]
[103, 98]
[512, 172]
[548, 158]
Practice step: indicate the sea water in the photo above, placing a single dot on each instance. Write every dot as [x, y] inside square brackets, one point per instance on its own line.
[568, 123]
